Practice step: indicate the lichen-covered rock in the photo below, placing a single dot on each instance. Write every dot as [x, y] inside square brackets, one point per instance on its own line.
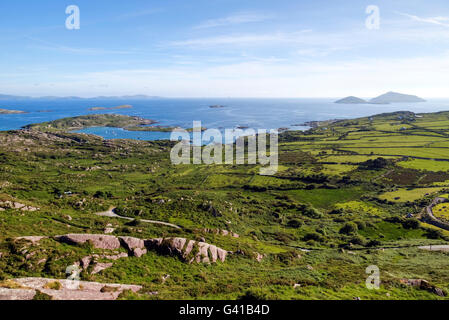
[69, 290]
[98, 241]
[17, 206]
[423, 285]
[32, 239]
[131, 243]
[220, 232]
[188, 250]
[100, 267]
[139, 252]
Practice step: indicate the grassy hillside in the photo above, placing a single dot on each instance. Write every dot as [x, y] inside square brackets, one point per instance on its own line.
[342, 200]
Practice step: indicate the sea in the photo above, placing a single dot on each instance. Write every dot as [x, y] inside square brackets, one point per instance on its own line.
[245, 113]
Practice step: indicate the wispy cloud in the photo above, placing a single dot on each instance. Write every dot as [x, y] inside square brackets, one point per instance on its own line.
[44, 45]
[137, 14]
[441, 21]
[248, 39]
[235, 19]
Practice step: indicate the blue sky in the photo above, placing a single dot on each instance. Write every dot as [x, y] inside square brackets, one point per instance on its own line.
[224, 48]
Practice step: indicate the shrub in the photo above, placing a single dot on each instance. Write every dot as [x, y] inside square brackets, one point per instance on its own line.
[313, 236]
[349, 228]
[53, 285]
[294, 223]
[374, 243]
[360, 224]
[434, 234]
[253, 295]
[359, 240]
[411, 224]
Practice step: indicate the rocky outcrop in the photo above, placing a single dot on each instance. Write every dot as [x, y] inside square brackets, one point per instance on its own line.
[188, 250]
[17, 206]
[220, 232]
[423, 285]
[26, 289]
[98, 241]
[32, 239]
[100, 267]
[135, 246]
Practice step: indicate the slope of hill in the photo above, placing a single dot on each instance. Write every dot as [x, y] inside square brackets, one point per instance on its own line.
[351, 100]
[394, 97]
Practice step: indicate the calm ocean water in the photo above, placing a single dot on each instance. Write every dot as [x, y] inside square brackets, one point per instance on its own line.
[253, 113]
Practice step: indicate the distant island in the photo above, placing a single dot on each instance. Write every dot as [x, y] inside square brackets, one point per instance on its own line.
[351, 100]
[6, 111]
[217, 106]
[126, 106]
[387, 98]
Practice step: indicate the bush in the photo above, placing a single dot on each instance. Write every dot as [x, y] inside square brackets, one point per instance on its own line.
[253, 295]
[359, 240]
[294, 223]
[411, 224]
[313, 236]
[360, 224]
[349, 228]
[434, 234]
[374, 243]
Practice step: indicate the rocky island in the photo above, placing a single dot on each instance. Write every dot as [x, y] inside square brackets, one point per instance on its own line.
[6, 111]
[126, 106]
[387, 98]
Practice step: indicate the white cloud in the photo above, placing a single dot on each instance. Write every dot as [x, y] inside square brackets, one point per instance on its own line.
[426, 76]
[235, 19]
[242, 39]
[441, 21]
[74, 50]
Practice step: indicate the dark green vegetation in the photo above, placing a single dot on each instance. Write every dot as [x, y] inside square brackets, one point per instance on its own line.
[345, 191]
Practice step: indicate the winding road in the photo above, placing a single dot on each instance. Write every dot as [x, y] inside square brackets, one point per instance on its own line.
[110, 213]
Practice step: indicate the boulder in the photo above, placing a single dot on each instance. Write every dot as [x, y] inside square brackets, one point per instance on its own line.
[423, 285]
[85, 262]
[98, 241]
[131, 243]
[100, 267]
[138, 252]
[109, 230]
[32, 239]
[187, 250]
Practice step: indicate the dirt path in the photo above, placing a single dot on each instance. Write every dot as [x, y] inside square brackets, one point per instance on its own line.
[110, 213]
[444, 248]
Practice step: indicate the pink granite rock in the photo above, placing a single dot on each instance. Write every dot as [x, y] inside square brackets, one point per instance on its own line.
[98, 241]
[70, 290]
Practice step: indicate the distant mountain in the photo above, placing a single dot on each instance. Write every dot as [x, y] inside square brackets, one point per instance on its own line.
[351, 100]
[9, 97]
[394, 97]
[389, 97]
[134, 97]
